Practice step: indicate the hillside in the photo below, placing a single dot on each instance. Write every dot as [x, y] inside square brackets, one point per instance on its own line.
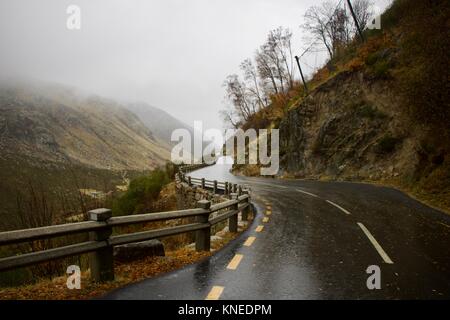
[377, 112]
[55, 140]
[161, 123]
[54, 124]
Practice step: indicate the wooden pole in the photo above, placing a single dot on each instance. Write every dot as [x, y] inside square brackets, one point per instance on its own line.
[301, 73]
[356, 20]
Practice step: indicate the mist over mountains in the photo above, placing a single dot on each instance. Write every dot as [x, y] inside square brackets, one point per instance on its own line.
[58, 124]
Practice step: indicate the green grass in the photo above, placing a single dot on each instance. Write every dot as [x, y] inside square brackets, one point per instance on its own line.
[141, 193]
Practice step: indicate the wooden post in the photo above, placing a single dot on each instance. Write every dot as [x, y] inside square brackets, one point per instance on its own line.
[355, 19]
[233, 220]
[189, 181]
[101, 261]
[203, 183]
[245, 211]
[301, 74]
[203, 237]
[225, 191]
[215, 187]
[235, 188]
[239, 190]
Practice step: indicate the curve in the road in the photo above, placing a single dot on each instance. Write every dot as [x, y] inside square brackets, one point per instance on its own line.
[316, 240]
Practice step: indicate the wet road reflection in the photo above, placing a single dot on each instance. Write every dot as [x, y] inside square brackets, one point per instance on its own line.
[311, 249]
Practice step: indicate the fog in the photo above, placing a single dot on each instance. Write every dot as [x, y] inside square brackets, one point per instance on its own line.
[173, 54]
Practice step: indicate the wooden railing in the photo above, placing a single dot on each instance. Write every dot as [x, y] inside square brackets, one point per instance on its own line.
[102, 241]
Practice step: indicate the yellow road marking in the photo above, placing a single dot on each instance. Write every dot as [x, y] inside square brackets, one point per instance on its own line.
[266, 219]
[259, 228]
[249, 241]
[215, 293]
[235, 262]
[268, 212]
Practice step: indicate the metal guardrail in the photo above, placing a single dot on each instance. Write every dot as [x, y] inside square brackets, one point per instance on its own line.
[101, 241]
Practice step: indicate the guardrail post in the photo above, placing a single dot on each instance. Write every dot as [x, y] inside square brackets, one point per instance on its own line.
[203, 237]
[245, 211]
[239, 190]
[189, 181]
[233, 220]
[203, 183]
[101, 261]
[230, 190]
[235, 188]
[215, 187]
[225, 190]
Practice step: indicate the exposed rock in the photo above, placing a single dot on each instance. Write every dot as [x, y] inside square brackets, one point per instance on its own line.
[337, 132]
[138, 250]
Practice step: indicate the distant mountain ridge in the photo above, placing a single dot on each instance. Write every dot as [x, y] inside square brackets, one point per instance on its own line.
[159, 121]
[56, 124]
[163, 124]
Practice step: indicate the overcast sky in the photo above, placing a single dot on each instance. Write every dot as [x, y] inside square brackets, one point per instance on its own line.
[173, 54]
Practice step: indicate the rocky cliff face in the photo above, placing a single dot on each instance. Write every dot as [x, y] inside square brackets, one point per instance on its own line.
[347, 128]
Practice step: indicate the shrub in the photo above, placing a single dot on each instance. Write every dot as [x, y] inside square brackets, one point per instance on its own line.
[141, 193]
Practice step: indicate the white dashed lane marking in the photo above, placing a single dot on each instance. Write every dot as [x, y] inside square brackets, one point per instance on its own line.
[338, 206]
[375, 243]
[308, 193]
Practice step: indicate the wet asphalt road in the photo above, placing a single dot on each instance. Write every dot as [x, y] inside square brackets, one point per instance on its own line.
[313, 249]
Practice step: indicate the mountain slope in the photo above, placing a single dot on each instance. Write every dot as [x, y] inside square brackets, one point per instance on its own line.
[158, 121]
[378, 111]
[57, 125]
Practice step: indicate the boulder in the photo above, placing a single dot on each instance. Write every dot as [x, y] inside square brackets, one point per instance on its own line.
[138, 250]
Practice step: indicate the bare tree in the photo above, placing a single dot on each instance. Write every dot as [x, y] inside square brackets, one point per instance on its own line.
[317, 20]
[363, 11]
[253, 83]
[266, 72]
[280, 39]
[229, 116]
[339, 29]
[271, 73]
[333, 26]
[237, 94]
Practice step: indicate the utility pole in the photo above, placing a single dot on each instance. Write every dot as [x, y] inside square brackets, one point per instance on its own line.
[356, 20]
[301, 73]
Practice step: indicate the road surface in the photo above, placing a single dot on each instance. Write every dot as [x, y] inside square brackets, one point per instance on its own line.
[316, 242]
